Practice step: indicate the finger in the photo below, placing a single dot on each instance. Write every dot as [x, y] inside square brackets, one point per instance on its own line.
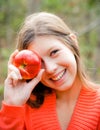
[36, 80]
[13, 75]
[12, 56]
[13, 78]
[10, 82]
[15, 69]
[39, 76]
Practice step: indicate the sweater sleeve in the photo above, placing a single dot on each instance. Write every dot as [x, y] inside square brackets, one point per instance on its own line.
[12, 118]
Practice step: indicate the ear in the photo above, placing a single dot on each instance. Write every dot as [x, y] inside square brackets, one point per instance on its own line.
[74, 38]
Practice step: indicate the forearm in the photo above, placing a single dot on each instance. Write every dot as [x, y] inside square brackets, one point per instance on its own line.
[11, 118]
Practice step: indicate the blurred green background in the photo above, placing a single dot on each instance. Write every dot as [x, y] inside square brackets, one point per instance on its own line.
[83, 17]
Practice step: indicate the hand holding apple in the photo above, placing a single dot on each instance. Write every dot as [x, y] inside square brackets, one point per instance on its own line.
[28, 63]
[16, 90]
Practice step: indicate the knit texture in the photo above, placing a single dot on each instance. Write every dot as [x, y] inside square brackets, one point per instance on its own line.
[86, 115]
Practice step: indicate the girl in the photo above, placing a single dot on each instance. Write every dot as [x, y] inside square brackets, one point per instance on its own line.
[60, 97]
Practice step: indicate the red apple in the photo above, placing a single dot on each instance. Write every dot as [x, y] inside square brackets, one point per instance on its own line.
[28, 63]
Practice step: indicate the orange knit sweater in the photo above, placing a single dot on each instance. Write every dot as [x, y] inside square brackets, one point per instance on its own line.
[86, 115]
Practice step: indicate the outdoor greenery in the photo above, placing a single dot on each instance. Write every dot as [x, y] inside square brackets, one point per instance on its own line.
[82, 16]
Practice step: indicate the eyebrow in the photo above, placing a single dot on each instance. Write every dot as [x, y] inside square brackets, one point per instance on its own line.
[50, 49]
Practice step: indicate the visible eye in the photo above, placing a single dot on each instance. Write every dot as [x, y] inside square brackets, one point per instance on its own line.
[54, 52]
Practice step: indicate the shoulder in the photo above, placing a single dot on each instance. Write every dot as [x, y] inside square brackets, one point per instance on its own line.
[97, 92]
[89, 101]
[91, 95]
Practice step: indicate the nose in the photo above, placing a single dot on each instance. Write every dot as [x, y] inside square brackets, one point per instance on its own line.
[50, 66]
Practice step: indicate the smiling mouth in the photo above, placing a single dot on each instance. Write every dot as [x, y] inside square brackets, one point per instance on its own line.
[58, 77]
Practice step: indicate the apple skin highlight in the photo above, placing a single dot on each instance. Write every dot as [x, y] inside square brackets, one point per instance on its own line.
[28, 62]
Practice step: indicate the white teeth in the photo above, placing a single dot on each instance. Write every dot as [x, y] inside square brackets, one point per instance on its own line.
[59, 76]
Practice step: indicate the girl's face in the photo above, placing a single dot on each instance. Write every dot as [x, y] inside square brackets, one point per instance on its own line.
[57, 60]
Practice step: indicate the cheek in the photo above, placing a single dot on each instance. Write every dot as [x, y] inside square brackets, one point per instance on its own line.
[70, 63]
[73, 67]
[44, 78]
[44, 82]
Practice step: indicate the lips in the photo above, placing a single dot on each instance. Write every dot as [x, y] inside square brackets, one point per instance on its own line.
[58, 76]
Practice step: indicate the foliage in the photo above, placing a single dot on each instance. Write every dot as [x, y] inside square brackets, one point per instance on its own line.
[1, 90]
[11, 14]
[78, 14]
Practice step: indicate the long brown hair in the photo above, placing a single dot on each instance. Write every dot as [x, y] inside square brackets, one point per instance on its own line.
[41, 24]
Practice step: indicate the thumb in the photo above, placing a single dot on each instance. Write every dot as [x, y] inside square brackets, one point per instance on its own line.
[36, 80]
